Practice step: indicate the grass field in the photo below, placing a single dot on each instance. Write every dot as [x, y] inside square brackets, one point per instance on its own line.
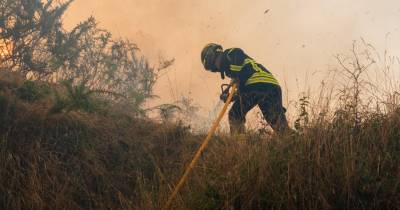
[74, 159]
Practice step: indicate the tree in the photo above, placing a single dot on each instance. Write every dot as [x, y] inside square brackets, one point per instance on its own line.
[34, 43]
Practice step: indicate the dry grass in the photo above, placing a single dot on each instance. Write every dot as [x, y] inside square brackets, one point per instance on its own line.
[79, 160]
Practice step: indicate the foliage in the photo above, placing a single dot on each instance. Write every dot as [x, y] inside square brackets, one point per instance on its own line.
[26, 31]
[86, 160]
[77, 98]
[303, 118]
[34, 43]
[32, 91]
[167, 111]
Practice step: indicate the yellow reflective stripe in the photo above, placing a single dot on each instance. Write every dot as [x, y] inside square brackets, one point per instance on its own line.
[261, 80]
[236, 68]
[253, 64]
[262, 77]
[249, 81]
[231, 50]
[263, 73]
[255, 80]
[248, 60]
[258, 76]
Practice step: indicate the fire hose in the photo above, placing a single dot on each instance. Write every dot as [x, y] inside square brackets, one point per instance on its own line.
[201, 148]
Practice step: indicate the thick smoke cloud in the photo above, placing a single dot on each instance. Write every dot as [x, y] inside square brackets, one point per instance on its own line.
[295, 39]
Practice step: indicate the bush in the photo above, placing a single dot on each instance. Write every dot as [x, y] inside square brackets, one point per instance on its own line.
[30, 91]
[36, 45]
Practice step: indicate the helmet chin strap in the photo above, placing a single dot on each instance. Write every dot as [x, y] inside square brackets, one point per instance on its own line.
[218, 67]
[222, 74]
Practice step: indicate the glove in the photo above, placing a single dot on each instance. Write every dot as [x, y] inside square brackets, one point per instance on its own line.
[224, 96]
[225, 93]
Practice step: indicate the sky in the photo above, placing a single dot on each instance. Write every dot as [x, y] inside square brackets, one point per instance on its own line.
[295, 39]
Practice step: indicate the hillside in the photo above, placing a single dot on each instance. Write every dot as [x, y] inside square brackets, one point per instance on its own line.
[75, 132]
[111, 160]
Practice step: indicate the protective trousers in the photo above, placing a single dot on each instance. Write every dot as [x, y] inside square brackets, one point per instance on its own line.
[270, 103]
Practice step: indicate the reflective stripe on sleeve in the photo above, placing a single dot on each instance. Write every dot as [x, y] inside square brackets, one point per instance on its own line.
[236, 68]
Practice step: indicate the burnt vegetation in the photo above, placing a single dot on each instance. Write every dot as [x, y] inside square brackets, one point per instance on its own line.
[74, 133]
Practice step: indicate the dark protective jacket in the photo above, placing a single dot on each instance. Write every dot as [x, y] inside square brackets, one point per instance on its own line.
[249, 74]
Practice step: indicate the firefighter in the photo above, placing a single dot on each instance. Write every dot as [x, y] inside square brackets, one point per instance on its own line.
[256, 86]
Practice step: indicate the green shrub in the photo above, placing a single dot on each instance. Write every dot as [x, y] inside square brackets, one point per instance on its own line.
[29, 91]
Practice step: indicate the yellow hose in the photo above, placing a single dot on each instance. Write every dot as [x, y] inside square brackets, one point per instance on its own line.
[200, 150]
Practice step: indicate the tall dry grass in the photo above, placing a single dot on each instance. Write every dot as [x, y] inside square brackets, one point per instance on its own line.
[113, 160]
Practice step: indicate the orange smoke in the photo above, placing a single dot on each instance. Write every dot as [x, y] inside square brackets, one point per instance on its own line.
[295, 40]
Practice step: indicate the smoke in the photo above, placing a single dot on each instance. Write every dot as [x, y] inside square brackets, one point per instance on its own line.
[295, 40]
